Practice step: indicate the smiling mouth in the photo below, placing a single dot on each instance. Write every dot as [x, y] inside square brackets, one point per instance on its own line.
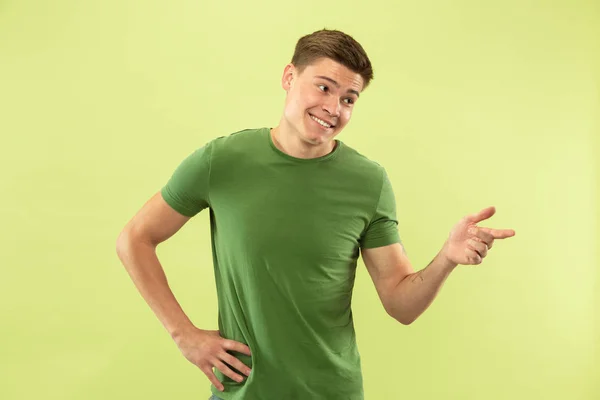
[319, 121]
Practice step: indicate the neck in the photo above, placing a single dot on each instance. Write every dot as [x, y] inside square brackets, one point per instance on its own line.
[290, 142]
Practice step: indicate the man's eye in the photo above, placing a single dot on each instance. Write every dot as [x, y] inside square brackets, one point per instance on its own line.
[349, 100]
[324, 88]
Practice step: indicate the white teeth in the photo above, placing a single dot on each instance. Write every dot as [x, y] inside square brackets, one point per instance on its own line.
[320, 121]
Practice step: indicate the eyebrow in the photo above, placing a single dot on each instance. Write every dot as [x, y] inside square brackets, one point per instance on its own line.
[337, 84]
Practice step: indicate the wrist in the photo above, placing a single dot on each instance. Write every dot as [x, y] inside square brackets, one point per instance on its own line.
[446, 262]
[180, 330]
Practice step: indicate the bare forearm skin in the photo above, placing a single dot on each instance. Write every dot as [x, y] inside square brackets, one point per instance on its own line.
[415, 293]
[144, 268]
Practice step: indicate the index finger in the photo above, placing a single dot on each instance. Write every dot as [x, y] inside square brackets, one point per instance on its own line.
[500, 233]
[237, 346]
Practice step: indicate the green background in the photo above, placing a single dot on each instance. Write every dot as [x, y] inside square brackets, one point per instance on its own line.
[474, 103]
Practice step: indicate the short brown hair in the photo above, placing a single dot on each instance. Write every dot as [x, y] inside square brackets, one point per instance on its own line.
[336, 45]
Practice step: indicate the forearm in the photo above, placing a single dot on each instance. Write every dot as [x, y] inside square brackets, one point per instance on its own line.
[415, 293]
[144, 268]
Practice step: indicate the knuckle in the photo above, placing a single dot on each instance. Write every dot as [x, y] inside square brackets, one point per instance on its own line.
[226, 343]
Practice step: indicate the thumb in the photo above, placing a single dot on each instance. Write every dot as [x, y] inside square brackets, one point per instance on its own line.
[482, 215]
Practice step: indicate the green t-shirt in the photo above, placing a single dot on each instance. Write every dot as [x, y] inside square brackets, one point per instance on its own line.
[285, 235]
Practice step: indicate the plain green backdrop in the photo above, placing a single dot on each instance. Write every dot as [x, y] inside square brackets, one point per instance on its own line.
[474, 103]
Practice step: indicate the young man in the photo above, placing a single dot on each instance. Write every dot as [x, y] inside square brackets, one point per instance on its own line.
[291, 208]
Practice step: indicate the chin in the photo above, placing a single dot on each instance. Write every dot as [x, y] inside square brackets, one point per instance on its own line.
[315, 137]
[318, 133]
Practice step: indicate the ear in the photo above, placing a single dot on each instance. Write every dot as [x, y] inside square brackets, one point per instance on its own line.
[289, 73]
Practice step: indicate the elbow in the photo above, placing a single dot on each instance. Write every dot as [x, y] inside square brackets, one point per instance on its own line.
[405, 320]
[129, 240]
[122, 244]
[401, 317]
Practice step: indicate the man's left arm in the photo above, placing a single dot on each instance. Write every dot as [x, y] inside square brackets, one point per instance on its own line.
[406, 294]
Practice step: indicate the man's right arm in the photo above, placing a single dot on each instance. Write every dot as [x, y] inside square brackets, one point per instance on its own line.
[136, 246]
[154, 223]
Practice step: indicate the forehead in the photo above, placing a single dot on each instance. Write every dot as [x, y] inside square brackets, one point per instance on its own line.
[336, 71]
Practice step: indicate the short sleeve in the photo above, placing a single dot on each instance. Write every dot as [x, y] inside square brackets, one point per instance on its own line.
[383, 227]
[187, 190]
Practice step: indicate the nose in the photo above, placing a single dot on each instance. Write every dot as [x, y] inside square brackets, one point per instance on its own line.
[332, 106]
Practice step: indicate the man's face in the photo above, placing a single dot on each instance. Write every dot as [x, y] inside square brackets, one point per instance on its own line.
[325, 90]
